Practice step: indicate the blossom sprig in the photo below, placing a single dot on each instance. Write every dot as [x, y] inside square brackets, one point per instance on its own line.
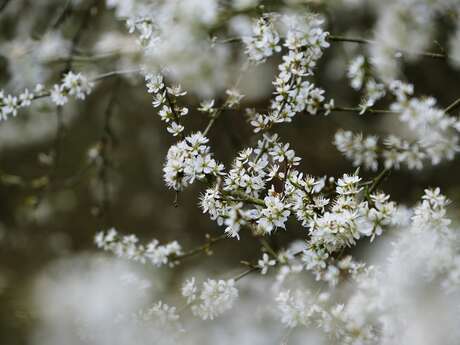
[360, 78]
[334, 220]
[303, 308]
[162, 314]
[128, 247]
[435, 134]
[72, 84]
[211, 300]
[305, 40]
[165, 97]
[265, 40]
[10, 105]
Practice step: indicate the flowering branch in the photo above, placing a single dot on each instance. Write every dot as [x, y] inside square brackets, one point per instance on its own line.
[345, 39]
[206, 247]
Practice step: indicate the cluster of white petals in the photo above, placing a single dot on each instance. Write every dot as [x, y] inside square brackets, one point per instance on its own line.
[72, 84]
[128, 247]
[305, 40]
[165, 98]
[190, 160]
[434, 135]
[213, 298]
[9, 104]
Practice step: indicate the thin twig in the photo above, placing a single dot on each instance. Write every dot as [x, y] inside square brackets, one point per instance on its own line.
[63, 14]
[202, 248]
[239, 196]
[336, 38]
[245, 273]
[454, 105]
[378, 180]
[78, 35]
[370, 110]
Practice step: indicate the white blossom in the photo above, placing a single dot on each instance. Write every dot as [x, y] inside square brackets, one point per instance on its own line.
[216, 297]
[265, 263]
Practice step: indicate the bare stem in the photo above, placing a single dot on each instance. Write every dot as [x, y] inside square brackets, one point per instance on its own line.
[454, 105]
[202, 248]
[370, 110]
[378, 180]
[334, 38]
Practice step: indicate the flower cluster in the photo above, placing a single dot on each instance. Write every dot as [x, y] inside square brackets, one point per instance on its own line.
[378, 306]
[435, 135]
[436, 132]
[165, 97]
[360, 79]
[162, 313]
[336, 320]
[188, 160]
[76, 85]
[213, 299]
[305, 40]
[9, 104]
[247, 179]
[128, 247]
[363, 151]
[269, 170]
[349, 218]
[265, 40]
[274, 215]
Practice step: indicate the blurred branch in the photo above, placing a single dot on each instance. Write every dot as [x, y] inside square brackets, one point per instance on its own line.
[115, 73]
[345, 39]
[454, 105]
[42, 181]
[107, 142]
[370, 110]
[374, 183]
[4, 4]
[63, 15]
[87, 58]
[56, 157]
[335, 38]
[79, 34]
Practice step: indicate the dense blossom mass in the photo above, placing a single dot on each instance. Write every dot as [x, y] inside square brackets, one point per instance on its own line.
[336, 259]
